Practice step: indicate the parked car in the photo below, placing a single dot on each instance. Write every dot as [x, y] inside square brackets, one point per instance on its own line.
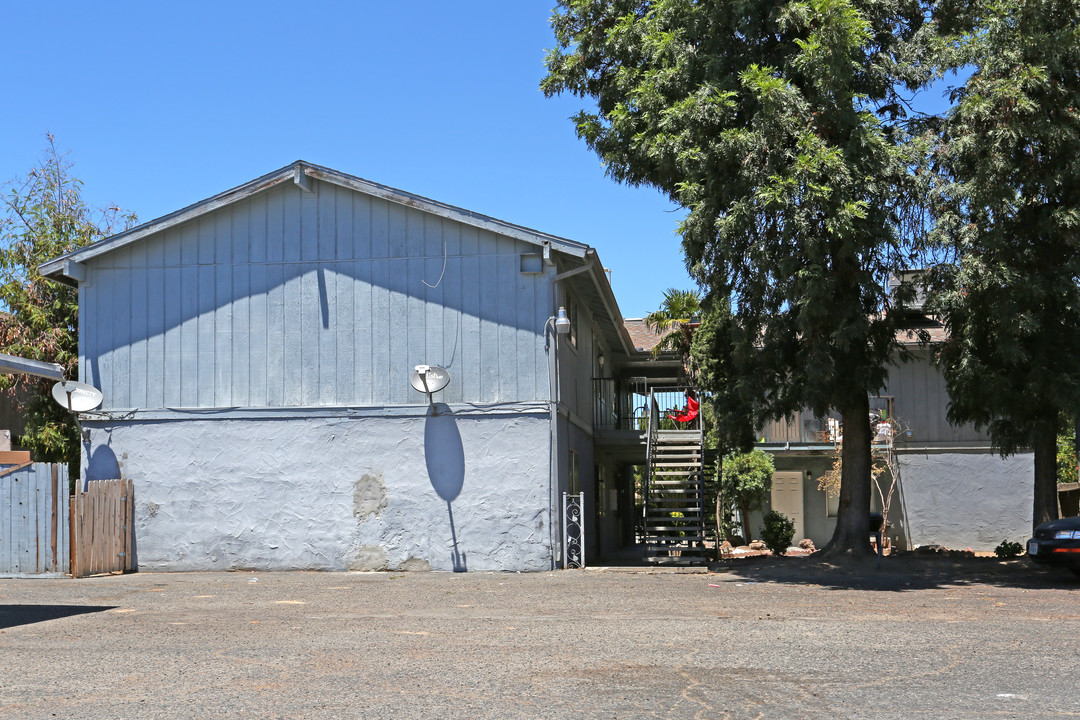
[1057, 543]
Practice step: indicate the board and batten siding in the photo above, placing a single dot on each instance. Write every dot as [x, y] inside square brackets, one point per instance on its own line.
[920, 401]
[291, 298]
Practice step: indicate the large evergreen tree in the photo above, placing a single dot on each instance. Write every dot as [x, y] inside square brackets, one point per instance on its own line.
[778, 126]
[43, 216]
[1010, 208]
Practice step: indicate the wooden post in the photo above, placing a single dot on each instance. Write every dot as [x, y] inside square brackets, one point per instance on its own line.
[54, 563]
[73, 533]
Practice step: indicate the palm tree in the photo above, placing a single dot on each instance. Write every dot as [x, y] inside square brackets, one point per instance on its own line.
[675, 319]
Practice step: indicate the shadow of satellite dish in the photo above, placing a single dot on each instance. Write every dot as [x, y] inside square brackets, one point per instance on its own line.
[103, 464]
[443, 453]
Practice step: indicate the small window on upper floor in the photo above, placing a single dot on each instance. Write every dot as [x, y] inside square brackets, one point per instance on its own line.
[572, 314]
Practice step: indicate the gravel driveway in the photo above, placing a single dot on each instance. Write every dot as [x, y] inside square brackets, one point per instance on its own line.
[775, 638]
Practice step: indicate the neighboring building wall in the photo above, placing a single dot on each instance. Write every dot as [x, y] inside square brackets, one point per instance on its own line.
[290, 298]
[920, 398]
[817, 525]
[953, 491]
[11, 422]
[967, 499]
[337, 492]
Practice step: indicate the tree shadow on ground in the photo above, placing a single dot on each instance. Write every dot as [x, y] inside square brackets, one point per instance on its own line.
[12, 615]
[899, 574]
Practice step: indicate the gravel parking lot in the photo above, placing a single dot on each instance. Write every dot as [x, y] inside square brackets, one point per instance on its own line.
[773, 638]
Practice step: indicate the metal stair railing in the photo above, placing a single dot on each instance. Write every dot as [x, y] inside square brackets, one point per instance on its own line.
[650, 446]
[671, 539]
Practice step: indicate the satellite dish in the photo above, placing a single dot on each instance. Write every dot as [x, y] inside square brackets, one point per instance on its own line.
[76, 396]
[429, 378]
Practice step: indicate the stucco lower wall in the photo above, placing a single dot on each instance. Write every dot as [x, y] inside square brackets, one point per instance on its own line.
[451, 491]
[963, 500]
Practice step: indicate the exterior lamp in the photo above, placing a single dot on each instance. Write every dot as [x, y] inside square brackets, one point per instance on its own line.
[562, 323]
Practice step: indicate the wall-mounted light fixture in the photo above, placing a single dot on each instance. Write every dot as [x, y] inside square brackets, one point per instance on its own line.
[562, 322]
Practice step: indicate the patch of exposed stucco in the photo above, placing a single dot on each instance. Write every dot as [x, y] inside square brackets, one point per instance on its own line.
[415, 564]
[369, 496]
[367, 558]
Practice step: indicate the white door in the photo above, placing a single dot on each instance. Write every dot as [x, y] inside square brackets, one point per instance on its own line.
[787, 498]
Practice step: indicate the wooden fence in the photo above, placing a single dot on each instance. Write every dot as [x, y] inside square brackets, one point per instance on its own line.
[34, 522]
[102, 528]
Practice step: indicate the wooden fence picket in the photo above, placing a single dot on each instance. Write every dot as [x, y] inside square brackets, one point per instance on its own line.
[103, 528]
[34, 523]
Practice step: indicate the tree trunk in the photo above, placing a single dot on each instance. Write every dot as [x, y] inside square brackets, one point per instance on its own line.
[852, 534]
[1044, 442]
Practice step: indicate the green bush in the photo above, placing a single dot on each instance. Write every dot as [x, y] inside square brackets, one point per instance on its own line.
[745, 481]
[777, 532]
[1008, 549]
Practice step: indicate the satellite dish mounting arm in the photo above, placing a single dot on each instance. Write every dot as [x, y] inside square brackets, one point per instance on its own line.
[13, 364]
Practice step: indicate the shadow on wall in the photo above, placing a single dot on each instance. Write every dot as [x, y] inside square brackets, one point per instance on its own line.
[445, 458]
[103, 465]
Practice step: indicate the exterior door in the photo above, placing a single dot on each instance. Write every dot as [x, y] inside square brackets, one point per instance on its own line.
[787, 498]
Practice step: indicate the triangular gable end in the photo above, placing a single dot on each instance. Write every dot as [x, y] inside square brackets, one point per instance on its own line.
[68, 268]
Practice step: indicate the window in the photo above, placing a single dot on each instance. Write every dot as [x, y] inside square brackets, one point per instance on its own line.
[832, 504]
[572, 314]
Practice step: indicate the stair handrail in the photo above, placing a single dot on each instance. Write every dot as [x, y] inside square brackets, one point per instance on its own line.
[650, 444]
[701, 477]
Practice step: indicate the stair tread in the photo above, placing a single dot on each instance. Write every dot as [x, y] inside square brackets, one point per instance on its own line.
[654, 530]
[686, 484]
[675, 495]
[660, 514]
[665, 549]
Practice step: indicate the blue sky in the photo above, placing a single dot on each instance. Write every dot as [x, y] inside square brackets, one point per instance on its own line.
[162, 105]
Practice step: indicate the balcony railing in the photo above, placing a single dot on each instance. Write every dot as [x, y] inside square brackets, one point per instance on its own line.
[807, 428]
[624, 406]
[614, 409]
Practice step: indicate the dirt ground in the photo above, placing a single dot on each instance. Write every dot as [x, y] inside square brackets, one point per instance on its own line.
[756, 638]
[908, 570]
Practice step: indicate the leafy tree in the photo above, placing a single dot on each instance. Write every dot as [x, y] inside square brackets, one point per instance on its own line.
[1066, 457]
[745, 481]
[679, 309]
[779, 126]
[44, 216]
[1010, 209]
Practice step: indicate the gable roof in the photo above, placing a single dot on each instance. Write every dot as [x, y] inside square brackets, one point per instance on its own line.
[67, 268]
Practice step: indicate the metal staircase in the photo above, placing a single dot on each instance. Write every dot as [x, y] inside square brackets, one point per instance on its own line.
[673, 509]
